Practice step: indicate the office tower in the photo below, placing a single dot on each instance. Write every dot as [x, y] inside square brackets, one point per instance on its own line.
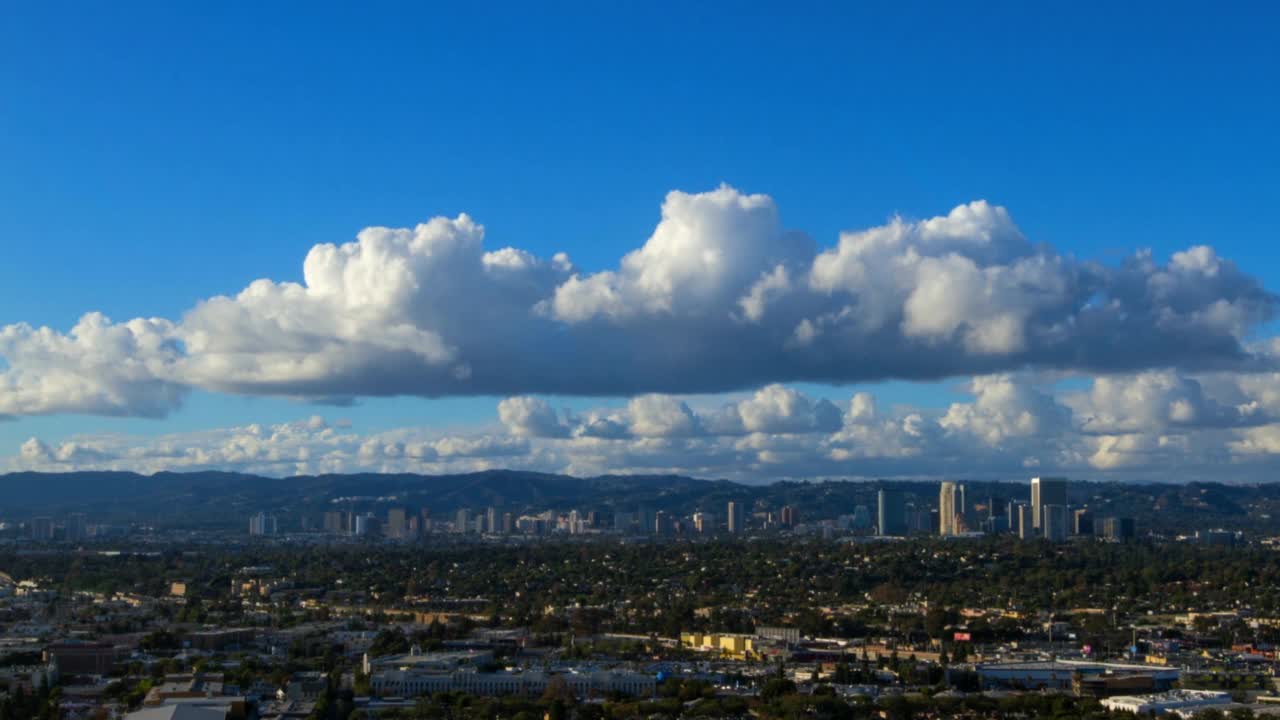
[75, 527]
[861, 519]
[1082, 522]
[950, 506]
[661, 523]
[508, 523]
[704, 523]
[622, 522]
[1056, 520]
[462, 521]
[492, 520]
[42, 528]
[263, 524]
[921, 519]
[891, 513]
[1118, 528]
[367, 525]
[1046, 491]
[397, 523]
[1026, 530]
[334, 522]
[737, 517]
[966, 510]
[996, 519]
[789, 516]
[644, 519]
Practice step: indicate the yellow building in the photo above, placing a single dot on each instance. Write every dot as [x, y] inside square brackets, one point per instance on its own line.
[738, 647]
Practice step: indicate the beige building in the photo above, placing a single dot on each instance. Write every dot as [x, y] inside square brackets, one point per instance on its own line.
[739, 647]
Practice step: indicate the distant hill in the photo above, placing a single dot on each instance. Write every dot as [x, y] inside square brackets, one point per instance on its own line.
[211, 499]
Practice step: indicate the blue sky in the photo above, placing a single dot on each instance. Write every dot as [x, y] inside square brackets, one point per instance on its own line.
[153, 155]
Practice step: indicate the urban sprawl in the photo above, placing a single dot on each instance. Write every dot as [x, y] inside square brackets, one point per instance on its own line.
[1037, 603]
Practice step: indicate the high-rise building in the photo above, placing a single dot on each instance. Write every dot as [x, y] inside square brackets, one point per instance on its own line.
[1056, 523]
[42, 528]
[1118, 528]
[263, 524]
[950, 508]
[920, 519]
[704, 523]
[492, 521]
[1046, 491]
[1013, 515]
[335, 521]
[462, 521]
[367, 525]
[1023, 525]
[644, 520]
[861, 519]
[737, 517]
[1082, 522]
[75, 527]
[891, 513]
[996, 519]
[397, 523]
[789, 516]
[661, 523]
[622, 522]
[508, 523]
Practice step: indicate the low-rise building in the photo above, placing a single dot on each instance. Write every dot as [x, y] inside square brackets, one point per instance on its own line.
[737, 646]
[530, 683]
[1068, 675]
[1172, 701]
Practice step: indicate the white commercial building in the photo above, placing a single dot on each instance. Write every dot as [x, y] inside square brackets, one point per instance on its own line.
[1178, 701]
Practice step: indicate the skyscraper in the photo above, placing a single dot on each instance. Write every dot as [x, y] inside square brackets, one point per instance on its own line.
[492, 520]
[397, 523]
[1024, 522]
[262, 524]
[644, 518]
[42, 528]
[75, 527]
[1046, 491]
[891, 513]
[1083, 522]
[737, 517]
[661, 523]
[335, 521]
[1118, 528]
[1056, 521]
[950, 507]
[788, 516]
[704, 523]
[462, 521]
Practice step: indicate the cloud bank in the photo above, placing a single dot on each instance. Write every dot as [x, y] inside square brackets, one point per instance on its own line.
[721, 297]
[1151, 425]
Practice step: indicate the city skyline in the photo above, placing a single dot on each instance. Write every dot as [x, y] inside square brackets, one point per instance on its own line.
[881, 249]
